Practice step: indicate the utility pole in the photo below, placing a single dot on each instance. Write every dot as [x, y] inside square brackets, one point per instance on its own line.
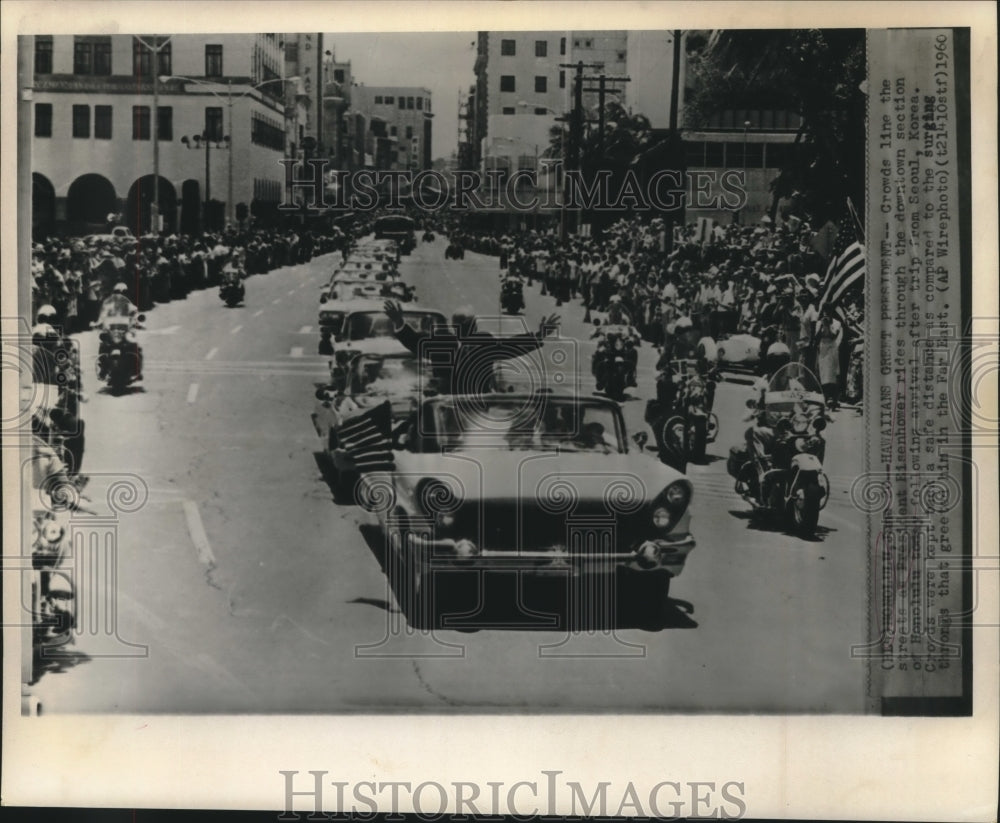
[675, 77]
[602, 92]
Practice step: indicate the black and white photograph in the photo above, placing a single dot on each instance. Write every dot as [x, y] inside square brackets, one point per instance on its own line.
[501, 371]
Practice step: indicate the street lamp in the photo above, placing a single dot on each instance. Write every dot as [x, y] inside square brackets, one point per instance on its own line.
[229, 99]
[206, 139]
[154, 211]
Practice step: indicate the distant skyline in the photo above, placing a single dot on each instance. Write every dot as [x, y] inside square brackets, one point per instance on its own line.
[440, 61]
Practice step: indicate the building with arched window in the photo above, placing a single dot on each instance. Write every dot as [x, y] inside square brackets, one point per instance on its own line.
[206, 114]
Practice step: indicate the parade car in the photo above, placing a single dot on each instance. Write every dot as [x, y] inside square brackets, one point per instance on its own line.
[370, 379]
[400, 228]
[370, 268]
[539, 484]
[362, 326]
[739, 352]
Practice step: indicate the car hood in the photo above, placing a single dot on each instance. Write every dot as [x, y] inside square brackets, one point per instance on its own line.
[491, 474]
[374, 345]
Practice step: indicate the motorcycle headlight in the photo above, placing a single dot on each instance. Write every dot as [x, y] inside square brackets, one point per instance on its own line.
[677, 496]
[819, 423]
[661, 517]
[619, 345]
[800, 444]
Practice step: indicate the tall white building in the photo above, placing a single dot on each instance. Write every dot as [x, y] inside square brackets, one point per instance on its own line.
[403, 118]
[214, 104]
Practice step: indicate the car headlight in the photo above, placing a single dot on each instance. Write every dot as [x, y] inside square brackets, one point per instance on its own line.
[677, 496]
[661, 517]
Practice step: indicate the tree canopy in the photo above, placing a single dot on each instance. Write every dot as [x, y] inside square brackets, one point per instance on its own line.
[819, 75]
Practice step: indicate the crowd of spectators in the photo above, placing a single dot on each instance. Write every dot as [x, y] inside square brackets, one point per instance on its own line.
[75, 274]
[763, 280]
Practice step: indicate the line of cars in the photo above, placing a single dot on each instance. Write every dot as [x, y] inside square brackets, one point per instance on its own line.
[540, 486]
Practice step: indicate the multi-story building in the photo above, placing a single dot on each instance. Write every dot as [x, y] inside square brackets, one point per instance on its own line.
[204, 113]
[304, 59]
[406, 115]
[649, 64]
[337, 120]
[601, 52]
[520, 91]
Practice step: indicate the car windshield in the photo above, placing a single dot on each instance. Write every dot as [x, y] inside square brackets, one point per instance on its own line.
[541, 423]
[333, 320]
[385, 375]
[362, 325]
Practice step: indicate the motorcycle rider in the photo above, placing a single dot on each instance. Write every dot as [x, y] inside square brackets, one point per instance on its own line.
[117, 306]
[760, 436]
[233, 272]
[617, 316]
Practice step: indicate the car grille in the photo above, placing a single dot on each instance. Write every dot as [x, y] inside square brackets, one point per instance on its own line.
[526, 526]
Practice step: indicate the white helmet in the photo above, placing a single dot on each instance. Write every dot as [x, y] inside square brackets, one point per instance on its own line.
[120, 288]
[777, 349]
[683, 323]
[46, 314]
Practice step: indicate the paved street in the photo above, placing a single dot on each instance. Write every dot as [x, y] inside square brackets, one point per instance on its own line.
[255, 592]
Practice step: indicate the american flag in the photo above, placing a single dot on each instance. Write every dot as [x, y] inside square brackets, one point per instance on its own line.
[367, 439]
[847, 266]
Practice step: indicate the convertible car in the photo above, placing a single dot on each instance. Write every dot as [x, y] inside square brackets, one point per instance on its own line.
[539, 484]
[369, 380]
[362, 326]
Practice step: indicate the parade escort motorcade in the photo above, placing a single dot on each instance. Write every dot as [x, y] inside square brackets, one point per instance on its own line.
[470, 485]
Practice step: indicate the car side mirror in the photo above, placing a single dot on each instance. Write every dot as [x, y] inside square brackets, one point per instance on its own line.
[596, 321]
[323, 298]
[751, 403]
[640, 439]
[321, 394]
[141, 318]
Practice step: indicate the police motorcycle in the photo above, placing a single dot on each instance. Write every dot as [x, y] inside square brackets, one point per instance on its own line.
[512, 295]
[231, 288]
[119, 361]
[614, 361]
[55, 495]
[455, 249]
[681, 415]
[779, 470]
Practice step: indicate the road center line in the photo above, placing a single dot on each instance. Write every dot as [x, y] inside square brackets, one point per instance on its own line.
[197, 531]
[291, 292]
[211, 354]
[192, 392]
[275, 301]
[235, 329]
[296, 351]
[258, 313]
[305, 330]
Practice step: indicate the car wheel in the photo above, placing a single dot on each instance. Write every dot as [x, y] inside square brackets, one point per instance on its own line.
[651, 595]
